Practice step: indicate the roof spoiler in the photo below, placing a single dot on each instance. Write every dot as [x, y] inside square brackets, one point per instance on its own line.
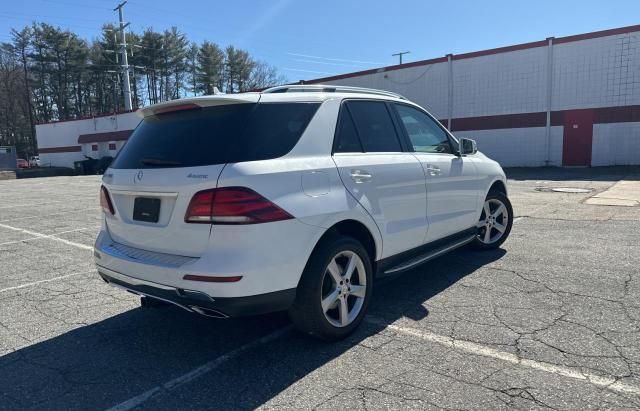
[197, 102]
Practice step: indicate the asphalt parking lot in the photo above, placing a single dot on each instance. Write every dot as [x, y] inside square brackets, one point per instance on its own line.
[551, 320]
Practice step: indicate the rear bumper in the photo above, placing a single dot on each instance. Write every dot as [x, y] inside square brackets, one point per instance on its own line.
[199, 302]
[269, 259]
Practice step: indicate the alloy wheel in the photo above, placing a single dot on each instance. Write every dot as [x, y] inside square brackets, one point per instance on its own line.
[493, 221]
[344, 287]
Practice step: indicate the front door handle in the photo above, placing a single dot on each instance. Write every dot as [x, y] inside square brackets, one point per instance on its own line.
[360, 176]
[433, 170]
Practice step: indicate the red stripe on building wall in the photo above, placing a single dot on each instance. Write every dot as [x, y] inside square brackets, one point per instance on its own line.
[619, 114]
[604, 115]
[521, 120]
[557, 118]
[67, 149]
[104, 137]
[623, 114]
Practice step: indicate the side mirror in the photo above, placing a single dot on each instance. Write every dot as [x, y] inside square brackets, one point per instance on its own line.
[468, 146]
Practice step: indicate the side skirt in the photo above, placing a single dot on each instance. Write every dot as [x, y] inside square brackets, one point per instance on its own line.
[407, 260]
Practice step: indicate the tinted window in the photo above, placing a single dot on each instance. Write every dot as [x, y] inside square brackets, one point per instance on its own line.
[425, 134]
[374, 126]
[216, 135]
[347, 140]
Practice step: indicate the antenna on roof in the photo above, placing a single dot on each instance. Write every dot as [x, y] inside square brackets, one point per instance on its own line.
[400, 55]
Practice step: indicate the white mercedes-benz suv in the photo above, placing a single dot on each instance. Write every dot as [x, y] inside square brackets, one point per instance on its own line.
[297, 198]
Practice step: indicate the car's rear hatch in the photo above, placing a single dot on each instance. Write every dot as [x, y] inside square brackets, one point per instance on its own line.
[179, 149]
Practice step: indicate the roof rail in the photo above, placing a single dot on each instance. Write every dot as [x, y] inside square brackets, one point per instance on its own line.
[326, 88]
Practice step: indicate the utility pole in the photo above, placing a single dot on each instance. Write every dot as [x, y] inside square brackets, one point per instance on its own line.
[23, 47]
[126, 86]
[400, 55]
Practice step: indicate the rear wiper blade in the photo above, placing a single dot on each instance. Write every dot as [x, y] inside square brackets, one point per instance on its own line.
[159, 162]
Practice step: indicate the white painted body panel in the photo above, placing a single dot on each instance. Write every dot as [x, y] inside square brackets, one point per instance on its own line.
[488, 172]
[395, 195]
[174, 188]
[453, 189]
[269, 257]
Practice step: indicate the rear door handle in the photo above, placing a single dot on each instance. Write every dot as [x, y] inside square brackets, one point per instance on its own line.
[433, 170]
[360, 176]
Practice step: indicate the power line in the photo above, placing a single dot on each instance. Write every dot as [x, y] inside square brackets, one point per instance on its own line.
[308, 71]
[83, 4]
[334, 59]
[47, 16]
[327, 63]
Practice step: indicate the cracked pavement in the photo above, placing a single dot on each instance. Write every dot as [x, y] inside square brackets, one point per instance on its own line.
[551, 320]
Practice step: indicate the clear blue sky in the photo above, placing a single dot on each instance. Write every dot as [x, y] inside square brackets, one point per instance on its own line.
[308, 39]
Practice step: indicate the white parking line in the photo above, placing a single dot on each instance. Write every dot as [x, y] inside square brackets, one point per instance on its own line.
[30, 204]
[196, 372]
[17, 287]
[33, 233]
[49, 235]
[49, 215]
[479, 349]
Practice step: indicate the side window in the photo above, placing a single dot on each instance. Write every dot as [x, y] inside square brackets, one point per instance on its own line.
[425, 135]
[374, 125]
[347, 140]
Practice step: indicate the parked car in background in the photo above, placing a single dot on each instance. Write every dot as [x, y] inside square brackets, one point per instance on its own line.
[297, 198]
[22, 163]
[34, 161]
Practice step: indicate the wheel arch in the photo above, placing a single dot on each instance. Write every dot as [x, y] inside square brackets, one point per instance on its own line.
[498, 186]
[357, 230]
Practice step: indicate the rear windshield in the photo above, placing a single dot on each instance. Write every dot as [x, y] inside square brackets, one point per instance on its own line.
[216, 135]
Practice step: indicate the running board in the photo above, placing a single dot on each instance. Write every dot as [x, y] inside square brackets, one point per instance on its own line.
[430, 255]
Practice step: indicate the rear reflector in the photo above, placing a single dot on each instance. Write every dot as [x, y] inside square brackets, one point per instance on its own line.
[208, 279]
[105, 201]
[233, 205]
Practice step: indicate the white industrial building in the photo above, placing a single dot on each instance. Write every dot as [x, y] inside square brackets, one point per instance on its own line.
[61, 143]
[567, 101]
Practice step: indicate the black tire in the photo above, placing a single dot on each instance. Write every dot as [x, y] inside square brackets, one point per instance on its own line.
[307, 313]
[477, 243]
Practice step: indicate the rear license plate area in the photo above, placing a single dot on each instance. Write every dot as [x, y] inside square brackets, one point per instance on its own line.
[146, 209]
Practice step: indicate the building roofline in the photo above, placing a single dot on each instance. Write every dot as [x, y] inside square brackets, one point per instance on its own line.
[497, 50]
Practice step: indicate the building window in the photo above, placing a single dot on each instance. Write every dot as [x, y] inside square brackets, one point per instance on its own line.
[112, 146]
[94, 147]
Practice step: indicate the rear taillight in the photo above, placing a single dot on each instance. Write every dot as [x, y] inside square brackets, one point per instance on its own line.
[105, 201]
[232, 205]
